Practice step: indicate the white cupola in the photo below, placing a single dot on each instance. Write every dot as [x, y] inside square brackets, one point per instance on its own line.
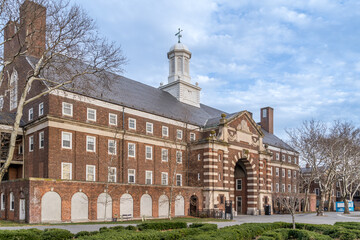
[179, 80]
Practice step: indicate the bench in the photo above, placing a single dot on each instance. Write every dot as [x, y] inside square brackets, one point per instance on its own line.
[126, 216]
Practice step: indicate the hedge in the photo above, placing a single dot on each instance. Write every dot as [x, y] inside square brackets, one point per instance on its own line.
[283, 234]
[162, 225]
[56, 234]
[23, 234]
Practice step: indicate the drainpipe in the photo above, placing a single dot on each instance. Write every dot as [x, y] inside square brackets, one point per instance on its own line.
[23, 153]
[123, 145]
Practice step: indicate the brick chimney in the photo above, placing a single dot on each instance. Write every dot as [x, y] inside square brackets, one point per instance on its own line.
[31, 31]
[267, 119]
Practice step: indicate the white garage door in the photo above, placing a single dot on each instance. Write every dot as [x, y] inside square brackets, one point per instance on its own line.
[126, 205]
[79, 207]
[104, 207]
[51, 207]
[179, 206]
[163, 206]
[146, 206]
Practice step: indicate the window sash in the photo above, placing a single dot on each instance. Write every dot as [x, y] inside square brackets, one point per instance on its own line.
[90, 173]
[178, 179]
[178, 156]
[66, 171]
[112, 119]
[164, 178]
[192, 137]
[31, 114]
[31, 143]
[165, 131]
[41, 140]
[41, 109]
[90, 144]
[179, 134]
[131, 149]
[149, 127]
[131, 175]
[148, 152]
[66, 140]
[2, 201]
[112, 174]
[112, 147]
[132, 123]
[164, 155]
[67, 109]
[91, 114]
[148, 177]
[238, 184]
[12, 201]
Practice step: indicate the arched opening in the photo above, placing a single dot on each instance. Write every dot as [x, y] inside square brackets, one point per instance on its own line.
[126, 206]
[79, 207]
[179, 206]
[146, 206]
[51, 207]
[163, 206]
[240, 187]
[104, 207]
[193, 205]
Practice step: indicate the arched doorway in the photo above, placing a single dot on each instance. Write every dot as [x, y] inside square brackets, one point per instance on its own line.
[240, 186]
[179, 206]
[104, 207]
[193, 205]
[126, 205]
[79, 207]
[51, 207]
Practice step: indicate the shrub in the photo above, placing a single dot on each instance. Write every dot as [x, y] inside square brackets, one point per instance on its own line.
[130, 227]
[117, 228]
[162, 225]
[56, 234]
[85, 233]
[24, 234]
[204, 226]
[348, 225]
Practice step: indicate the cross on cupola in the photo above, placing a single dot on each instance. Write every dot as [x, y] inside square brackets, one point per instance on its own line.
[178, 34]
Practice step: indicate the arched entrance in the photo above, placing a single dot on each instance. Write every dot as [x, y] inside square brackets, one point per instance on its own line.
[193, 205]
[240, 187]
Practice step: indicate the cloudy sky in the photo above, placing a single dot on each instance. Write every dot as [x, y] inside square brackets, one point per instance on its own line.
[300, 57]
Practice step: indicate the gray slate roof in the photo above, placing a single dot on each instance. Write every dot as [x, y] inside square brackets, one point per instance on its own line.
[272, 140]
[8, 118]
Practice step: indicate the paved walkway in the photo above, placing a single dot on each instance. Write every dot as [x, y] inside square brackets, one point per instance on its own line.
[329, 218]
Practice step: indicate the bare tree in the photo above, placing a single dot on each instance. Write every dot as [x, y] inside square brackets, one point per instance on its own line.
[290, 201]
[64, 51]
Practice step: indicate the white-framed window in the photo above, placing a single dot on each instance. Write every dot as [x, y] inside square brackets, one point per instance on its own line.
[283, 172]
[264, 111]
[91, 114]
[132, 123]
[131, 149]
[41, 109]
[289, 159]
[66, 140]
[66, 171]
[2, 201]
[198, 176]
[90, 173]
[271, 171]
[41, 140]
[67, 109]
[112, 147]
[131, 175]
[283, 158]
[277, 187]
[277, 156]
[283, 188]
[317, 192]
[338, 194]
[219, 176]
[277, 172]
[238, 184]
[179, 134]
[149, 127]
[148, 177]
[178, 180]
[31, 143]
[219, 157]
[13, 90]
[296, 160]
[20, 151]
[31, 114]
[178, 156]
[165, 131]
[164, 178]
[199, 156]
[294, 188]
[164, 155]
[12, 201]
[192, 137]
[289, 173]
[294, 174]
[90, 143]
[112, 119]
[148, 152]
[289, 188]
[111, 174]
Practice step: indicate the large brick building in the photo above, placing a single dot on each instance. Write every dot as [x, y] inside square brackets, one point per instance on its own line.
[131, 149]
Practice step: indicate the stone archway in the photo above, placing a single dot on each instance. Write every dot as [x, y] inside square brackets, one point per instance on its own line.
[240, 186]
[126, 205]
[79, 207]
[146, 205]
[193, 205]
[163, 206]
[51, 207]
[104, 207]
[179, 205]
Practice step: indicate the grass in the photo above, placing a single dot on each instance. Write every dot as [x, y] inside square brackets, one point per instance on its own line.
[4, 223]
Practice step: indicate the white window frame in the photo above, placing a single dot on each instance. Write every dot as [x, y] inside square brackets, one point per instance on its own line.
[294, 188]
[62, 140]
[88, 140]
[277, 172]
[88, 112]
[178, 156]
[283, 189]
[283, 173]
[146, 177]
[199, 157]
[277, 187]
[237, 184]
[41, 140]
[289, 173]
[114, 116]
[2, 201]
[289, 188]
[31, 114]
[87, 173]
[192, 136]
[166, 131]
[149, 127]
[70, 107]
[164, 178]
[271, 171]
[31, 143]
[131, 155]
[131, 175]
[41, 109]
[199, 177]
[148, 152]
[111, 175]
[179, 134]
[20, 149]
[277, 156]
[132, 120]
[179, 175]
[12, 201]
[62, 170]
[289, 159]
[112, 141]
[294, 174]
[283, 158]
[164, 157]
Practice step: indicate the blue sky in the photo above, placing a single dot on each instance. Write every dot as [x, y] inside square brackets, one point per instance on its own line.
[300, 57]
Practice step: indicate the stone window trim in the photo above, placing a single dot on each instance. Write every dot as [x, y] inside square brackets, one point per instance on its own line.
[12, 201]
[66, 137]
[41, 109]
[192, 137]
[179, 134]
[164, 155]
[63, 165]
[131, 176]
[111, 174]
[113, 119]
[31, 114]
[91, 114]
[277, 155]
[164, 178]
[178, 180]
[41, 140]
[165, 131]
[112, 147]
[67, 109]
[238, 184]
[132, 123]
[148, 177]
[31, 143]
[149, 128]
[2, 201]
[90, 173]
[277, 172]
[283, 158]
[178, 156]
[148, 152]
[90, 144]
[131, 150]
